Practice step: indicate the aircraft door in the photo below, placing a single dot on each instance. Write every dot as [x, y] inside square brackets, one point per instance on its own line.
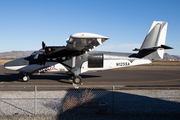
[95, 60]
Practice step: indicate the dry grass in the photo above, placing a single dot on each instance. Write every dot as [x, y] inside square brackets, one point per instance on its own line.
[72, 101]
[166, 63]
[3, 61]
[87, 95]
[150, 67]
[161, 65]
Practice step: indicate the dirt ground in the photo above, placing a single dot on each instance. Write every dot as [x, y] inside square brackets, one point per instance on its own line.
[2, 61]
[160, 65]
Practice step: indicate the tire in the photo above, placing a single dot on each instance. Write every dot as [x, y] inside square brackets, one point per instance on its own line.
[77, 80]
[25, 78]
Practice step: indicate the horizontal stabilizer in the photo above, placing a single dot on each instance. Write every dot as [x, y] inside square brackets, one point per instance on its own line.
[158, 47]
[154, 48]
[166, 47]
[136, 49]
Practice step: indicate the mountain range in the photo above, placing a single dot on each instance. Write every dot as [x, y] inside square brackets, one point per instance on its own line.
[15, 54]
[20, 54]
[171, 57]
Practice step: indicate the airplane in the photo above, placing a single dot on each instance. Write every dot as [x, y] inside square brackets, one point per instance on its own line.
[77, 56]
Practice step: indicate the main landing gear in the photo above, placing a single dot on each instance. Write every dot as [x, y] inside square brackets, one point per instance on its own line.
[76, 79]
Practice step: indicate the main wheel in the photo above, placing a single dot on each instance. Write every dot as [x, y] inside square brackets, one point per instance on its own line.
[77, 79]
[25, 78]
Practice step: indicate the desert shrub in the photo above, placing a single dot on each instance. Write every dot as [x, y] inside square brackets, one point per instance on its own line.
[71, 101]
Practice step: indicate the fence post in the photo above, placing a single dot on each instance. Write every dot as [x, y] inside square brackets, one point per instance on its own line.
[113, 99]
[35, 103]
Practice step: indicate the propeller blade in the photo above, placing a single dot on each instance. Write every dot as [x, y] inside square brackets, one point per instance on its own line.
[44, 53]
[43, 45]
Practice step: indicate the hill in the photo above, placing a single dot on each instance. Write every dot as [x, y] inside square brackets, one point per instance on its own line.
[15, 54]
[170, 57]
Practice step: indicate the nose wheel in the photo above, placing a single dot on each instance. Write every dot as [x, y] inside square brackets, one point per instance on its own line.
[25, 78]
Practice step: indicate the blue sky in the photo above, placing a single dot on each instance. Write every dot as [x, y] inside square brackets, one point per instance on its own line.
[24, 24]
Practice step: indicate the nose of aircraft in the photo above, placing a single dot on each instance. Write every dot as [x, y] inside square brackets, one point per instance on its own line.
[16, 64]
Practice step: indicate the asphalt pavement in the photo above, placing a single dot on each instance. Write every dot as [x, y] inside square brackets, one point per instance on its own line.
[128, 78]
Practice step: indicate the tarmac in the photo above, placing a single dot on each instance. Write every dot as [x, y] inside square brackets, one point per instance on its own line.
[128, 78]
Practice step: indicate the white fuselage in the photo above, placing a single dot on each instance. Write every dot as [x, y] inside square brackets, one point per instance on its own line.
[109, 62]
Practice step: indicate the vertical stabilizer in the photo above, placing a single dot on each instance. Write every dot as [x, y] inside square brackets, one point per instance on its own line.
[156, 35]
[154, 43]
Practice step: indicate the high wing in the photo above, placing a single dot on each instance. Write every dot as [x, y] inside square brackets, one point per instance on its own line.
[77, 44]
[84, 41]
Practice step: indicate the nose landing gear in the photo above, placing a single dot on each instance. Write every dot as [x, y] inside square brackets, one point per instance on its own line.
[25, 78]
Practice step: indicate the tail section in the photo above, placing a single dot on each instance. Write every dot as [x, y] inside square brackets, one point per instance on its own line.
[154, 43]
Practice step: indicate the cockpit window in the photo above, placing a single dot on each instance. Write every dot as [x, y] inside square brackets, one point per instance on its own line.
[36, 56]
[70, 40]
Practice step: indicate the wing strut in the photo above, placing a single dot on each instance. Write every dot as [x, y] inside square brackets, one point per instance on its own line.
[73, 61]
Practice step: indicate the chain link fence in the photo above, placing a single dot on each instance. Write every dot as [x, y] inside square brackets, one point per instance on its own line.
[103, 100]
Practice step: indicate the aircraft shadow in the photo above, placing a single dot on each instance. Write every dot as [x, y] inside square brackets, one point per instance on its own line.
[60, 77]
[105, 105]
[10, 77]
